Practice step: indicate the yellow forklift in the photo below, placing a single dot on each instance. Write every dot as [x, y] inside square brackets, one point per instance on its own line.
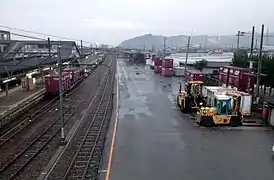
[221, 113]
[190, 99]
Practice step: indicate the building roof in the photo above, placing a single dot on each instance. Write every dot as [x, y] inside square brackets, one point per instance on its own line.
[27, 55]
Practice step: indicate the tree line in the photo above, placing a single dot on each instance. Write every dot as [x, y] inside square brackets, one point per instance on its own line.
[242, 59]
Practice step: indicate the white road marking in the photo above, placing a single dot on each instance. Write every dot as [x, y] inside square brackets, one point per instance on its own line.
[125, 73]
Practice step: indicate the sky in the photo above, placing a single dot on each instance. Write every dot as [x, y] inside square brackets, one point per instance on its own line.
[112, 21]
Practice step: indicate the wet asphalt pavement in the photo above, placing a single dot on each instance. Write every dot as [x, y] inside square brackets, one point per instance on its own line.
[155, 141]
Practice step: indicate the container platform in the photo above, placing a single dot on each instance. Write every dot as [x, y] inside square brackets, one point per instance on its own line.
[16, 101]
[154, 140]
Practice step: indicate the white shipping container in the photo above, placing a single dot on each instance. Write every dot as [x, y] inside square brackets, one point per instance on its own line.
[246, 102]
[271, 121]
[179, 71]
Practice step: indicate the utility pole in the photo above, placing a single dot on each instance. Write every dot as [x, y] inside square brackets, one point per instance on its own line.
[206, 42]
[187, 49]
[81, 47]
[239, 33]
[164, 55]
[61, 96]
[260, 63]
[238, 40]
[49, 50]
[250, 58]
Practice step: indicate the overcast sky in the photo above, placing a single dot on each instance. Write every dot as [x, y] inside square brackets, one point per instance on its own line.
[112, 21]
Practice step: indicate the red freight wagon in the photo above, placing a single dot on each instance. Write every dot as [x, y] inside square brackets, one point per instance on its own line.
[52, 83]
[195, 75]
[158, 62]
[157, 69]
[167, 71]
[168, 63]
[74, 74]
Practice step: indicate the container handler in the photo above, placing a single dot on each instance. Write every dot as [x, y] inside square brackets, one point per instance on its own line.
[190, 99]
[222, 113]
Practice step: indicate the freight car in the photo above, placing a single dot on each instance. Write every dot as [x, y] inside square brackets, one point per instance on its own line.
[70, 78]
[76, 75]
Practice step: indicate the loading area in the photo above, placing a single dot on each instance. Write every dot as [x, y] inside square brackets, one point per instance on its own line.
[155, 140]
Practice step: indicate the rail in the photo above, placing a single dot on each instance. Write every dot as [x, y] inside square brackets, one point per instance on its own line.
[32, 118]
[26, 153]
[90, 139]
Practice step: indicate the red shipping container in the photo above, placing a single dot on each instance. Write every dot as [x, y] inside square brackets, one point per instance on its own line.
[195, 75]
[52, 83]
[168, 63]
[157, 69]
[73, 74]
[238, 77]
[167, 72]
[158, 62]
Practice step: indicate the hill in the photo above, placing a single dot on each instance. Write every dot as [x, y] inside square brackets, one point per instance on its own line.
[224, 41]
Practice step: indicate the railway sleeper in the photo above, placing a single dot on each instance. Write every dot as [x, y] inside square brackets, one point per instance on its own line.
[85, 149]
[81, 153]
[82, 158]
[81, 162]
[87, 146]
[77, 166]
[86, 143]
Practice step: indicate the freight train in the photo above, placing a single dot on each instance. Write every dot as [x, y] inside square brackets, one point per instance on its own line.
[71, 77]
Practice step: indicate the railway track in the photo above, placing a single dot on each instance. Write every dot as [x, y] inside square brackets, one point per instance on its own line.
[81, 157]
[90, 141]
[28, 149]
[10, 135]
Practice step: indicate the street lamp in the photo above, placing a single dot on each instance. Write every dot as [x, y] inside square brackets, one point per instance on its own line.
[239, 33]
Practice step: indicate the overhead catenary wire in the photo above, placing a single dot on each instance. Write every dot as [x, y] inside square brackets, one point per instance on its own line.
[43, 34]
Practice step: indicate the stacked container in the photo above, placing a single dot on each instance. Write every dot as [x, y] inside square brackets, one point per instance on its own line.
[167, 67]
[195, 75]
[231, 76]
[157, 65]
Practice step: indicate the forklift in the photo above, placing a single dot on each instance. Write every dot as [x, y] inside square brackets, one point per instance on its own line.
[191, 99]
[221, 113]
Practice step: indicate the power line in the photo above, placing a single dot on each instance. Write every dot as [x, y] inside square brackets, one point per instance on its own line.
[44, 34]
[27, 36]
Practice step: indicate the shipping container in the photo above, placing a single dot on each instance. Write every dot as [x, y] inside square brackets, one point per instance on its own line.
[167, 63]
[210, 91]
[179, 71]
[52, 83]
[195, 75]
[157, 69]
[236, 77]
[158, 62]
[167, 71]
[245, 101]
[73, 74]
